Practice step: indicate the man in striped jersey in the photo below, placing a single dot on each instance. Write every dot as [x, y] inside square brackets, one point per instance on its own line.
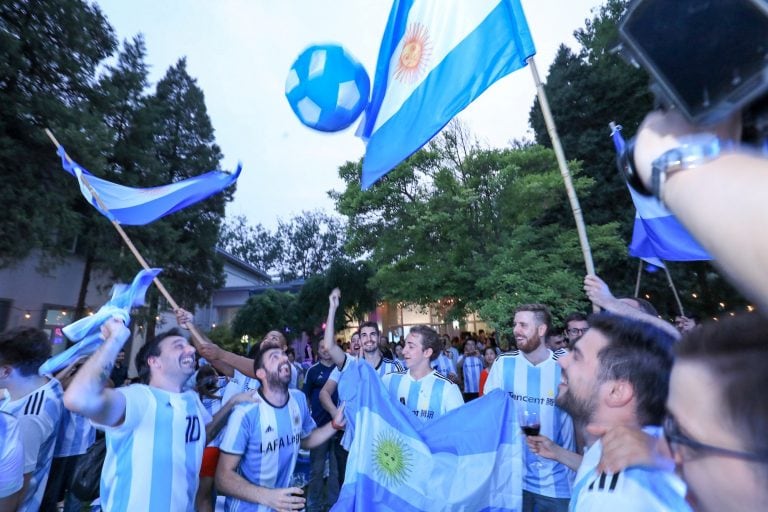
[155, 431]
[369, 346]
[35, 401]
[424, 391]
[261, 443]
[618, 375]
[531, 375]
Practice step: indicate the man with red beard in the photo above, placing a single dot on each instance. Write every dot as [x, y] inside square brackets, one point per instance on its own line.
[531, 375]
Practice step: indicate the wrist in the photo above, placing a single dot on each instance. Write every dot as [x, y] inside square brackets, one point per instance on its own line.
[335, 425]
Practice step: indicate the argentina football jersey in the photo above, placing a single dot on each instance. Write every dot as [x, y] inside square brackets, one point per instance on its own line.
[39, 411]
[268, 439]
[427, 398]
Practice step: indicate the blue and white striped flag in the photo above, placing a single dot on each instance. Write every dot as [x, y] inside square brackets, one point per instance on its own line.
[470, 459]
[87, 331]
[657, 234]
[139, 206]
[436, 57]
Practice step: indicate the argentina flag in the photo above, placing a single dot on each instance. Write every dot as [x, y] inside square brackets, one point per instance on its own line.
[656, 234]
[87, 331]
[436, 57]
[467, 460]
[139, 206]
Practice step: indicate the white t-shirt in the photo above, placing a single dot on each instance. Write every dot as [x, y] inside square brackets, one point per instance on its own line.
[427, 398]
[11, 456]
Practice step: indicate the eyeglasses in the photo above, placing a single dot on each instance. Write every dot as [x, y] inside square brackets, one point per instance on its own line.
[675, 438]
[575, 331]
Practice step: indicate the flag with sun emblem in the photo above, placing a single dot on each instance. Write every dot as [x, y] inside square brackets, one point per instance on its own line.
[469, 459]
[436, 57]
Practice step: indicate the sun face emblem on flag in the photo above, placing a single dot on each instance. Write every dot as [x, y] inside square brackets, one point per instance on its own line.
[414, 55]
[391, 459]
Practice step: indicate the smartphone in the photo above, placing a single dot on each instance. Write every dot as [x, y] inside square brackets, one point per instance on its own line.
[707, 58]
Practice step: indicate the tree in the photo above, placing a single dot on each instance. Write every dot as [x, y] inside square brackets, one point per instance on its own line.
[269, 311]
[308, 243]
[252, 244]
[49, 54]
[587, 89]
[455, 218]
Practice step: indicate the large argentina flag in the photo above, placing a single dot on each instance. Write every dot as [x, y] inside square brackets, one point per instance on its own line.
[436, 57]
[139, 206]
[468, 460]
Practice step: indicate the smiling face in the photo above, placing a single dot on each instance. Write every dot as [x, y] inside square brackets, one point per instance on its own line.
[414, 353]
[369, 338]
[354, 343]
[528, 332]
[577, 393]
[176, 360]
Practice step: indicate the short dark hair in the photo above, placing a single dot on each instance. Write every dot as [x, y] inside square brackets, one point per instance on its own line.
[735, 351]
[152, 349]
[640, 354]
[576, 316]
[369, 323]
[263, 348]
[24, 348]
[429, 339]
[540, 312]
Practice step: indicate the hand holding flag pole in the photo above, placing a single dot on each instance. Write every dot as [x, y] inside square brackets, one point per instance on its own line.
[197, 337]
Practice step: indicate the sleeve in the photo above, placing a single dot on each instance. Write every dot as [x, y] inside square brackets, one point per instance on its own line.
[452, 398]
[335, 375]
[33, 430]
[237, 433]
[599, 501]
[494, 378]
[136, 398]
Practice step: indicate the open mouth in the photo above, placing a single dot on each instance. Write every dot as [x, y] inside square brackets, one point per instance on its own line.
[187, 361]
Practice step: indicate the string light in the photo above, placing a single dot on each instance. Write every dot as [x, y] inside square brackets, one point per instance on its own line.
[27, 315]
[750, 308]
[722, 304]
[695, 295]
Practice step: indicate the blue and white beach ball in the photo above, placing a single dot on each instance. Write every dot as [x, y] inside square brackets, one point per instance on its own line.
[327, 87]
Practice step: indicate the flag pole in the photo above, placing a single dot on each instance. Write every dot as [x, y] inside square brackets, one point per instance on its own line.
[196, 336]
[560, 154]
[674, 291]
[639, 275]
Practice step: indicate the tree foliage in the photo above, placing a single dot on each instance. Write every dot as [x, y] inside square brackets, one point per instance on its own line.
[471, 224]
[268, 311]
[299, 248]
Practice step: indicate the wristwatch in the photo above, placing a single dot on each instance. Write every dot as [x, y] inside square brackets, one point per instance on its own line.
[694, 151]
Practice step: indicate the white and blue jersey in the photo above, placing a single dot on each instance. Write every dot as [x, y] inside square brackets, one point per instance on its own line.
[471, 366]
[427, 398]
[11, 456]
[38, 415]
[384, 367]
[238, 384]
[444, 364]
[154, 456]
[267, 438]
[634, 489]
[535, 387]
[76, 435]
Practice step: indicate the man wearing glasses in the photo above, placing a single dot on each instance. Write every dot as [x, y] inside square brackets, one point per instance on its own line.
[575, 326]
[617, 375]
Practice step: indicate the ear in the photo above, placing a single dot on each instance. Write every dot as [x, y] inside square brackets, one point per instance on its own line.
[429, 356]
[620, 393]
[542, 330]
[261, 374]
[153, 362]
[5, 371]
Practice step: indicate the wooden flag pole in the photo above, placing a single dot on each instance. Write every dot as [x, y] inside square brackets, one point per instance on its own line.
[560, 154]
[674, 291]
[196, 336]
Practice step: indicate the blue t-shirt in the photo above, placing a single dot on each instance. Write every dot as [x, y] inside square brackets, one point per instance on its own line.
[316, 379]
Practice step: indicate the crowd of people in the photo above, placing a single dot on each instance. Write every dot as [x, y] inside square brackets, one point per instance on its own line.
[617, 400]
